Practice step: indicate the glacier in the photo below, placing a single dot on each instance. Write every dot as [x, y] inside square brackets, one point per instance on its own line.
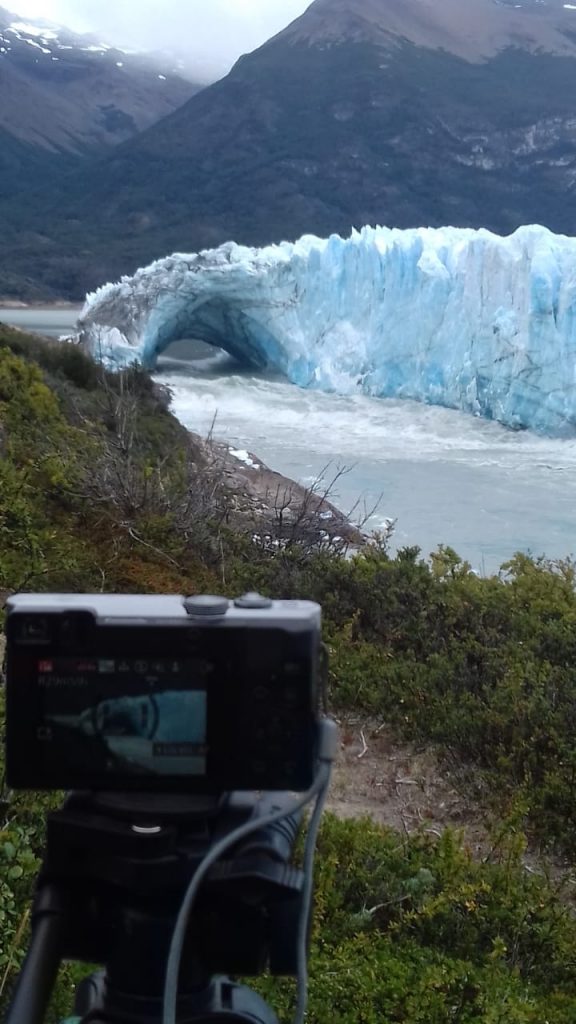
[447, 316]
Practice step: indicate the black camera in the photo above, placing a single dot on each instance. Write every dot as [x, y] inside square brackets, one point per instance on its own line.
[163, 713]
[161, 693]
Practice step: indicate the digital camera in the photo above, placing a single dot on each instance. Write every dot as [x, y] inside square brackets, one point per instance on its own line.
[161, 693]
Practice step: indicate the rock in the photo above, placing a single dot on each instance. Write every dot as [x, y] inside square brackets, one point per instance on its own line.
[278, 510]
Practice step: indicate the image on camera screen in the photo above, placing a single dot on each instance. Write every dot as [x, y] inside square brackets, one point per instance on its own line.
[155, 734]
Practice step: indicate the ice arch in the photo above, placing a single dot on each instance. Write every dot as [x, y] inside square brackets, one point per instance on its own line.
[244, 301]
[122, 334]
[447, 316]
[217, 322]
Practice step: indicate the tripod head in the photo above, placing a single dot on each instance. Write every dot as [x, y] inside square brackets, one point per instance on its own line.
[110, 889]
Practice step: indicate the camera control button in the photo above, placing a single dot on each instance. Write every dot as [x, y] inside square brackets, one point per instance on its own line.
[253, 601]
[261, 694]
[206, 605]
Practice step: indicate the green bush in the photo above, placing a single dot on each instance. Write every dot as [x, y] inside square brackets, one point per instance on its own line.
[18, 866]
[412, 930]
[485, 668]
[58, 359]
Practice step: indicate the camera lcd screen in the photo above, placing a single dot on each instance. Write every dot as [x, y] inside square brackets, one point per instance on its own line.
[124, 716]
[144, 704]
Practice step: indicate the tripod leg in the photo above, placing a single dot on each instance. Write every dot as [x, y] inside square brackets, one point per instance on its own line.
[38, 973]
[90, 994]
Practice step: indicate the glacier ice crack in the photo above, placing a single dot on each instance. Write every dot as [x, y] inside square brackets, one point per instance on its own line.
[446, 316]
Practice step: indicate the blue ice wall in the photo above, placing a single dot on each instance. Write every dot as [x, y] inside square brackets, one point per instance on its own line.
[446, 316]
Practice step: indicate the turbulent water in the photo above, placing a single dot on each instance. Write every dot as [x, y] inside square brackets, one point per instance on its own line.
[445, 477]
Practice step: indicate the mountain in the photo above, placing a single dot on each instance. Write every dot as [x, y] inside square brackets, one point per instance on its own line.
[472, 29]
[65, 96]
[401, 112]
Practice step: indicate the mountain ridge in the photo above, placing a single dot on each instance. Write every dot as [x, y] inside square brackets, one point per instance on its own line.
[472, 29]
[66, 92]
[305, 137]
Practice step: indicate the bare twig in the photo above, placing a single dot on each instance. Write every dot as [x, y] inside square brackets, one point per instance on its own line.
[157, 551]
[17, 939]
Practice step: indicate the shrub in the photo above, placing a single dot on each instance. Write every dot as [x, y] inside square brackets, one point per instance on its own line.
[485, 668]
[59, 359]
[413, 931]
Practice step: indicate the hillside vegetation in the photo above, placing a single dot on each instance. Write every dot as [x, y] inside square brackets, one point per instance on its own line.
[101, 489]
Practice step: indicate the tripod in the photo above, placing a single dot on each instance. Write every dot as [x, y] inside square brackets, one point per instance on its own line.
[110, 890]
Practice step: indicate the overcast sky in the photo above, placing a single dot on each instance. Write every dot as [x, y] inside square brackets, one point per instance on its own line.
[212, 32]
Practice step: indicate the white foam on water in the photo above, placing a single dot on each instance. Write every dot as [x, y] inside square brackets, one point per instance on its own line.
[445, 476]
[352, 425]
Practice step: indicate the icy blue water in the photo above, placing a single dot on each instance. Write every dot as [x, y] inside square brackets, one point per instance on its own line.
[445, 476]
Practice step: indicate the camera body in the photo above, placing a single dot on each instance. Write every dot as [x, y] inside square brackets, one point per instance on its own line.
[167, 694]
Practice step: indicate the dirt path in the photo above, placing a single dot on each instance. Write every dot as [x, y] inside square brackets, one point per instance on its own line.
[398, 785]
[407, 788]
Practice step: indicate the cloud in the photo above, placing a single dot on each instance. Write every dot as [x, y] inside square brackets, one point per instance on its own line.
[209, 34]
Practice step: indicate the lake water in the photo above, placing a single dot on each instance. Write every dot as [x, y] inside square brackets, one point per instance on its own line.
[444, 476]
[53, 322]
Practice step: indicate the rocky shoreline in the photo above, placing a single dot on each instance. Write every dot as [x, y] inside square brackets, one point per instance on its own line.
[278, 509]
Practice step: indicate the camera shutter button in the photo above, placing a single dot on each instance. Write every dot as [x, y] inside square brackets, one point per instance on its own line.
[206, 605]
[253, 600]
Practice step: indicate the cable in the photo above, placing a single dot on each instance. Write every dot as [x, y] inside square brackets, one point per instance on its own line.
[328, 745]
[180, 928]
[308, 868]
